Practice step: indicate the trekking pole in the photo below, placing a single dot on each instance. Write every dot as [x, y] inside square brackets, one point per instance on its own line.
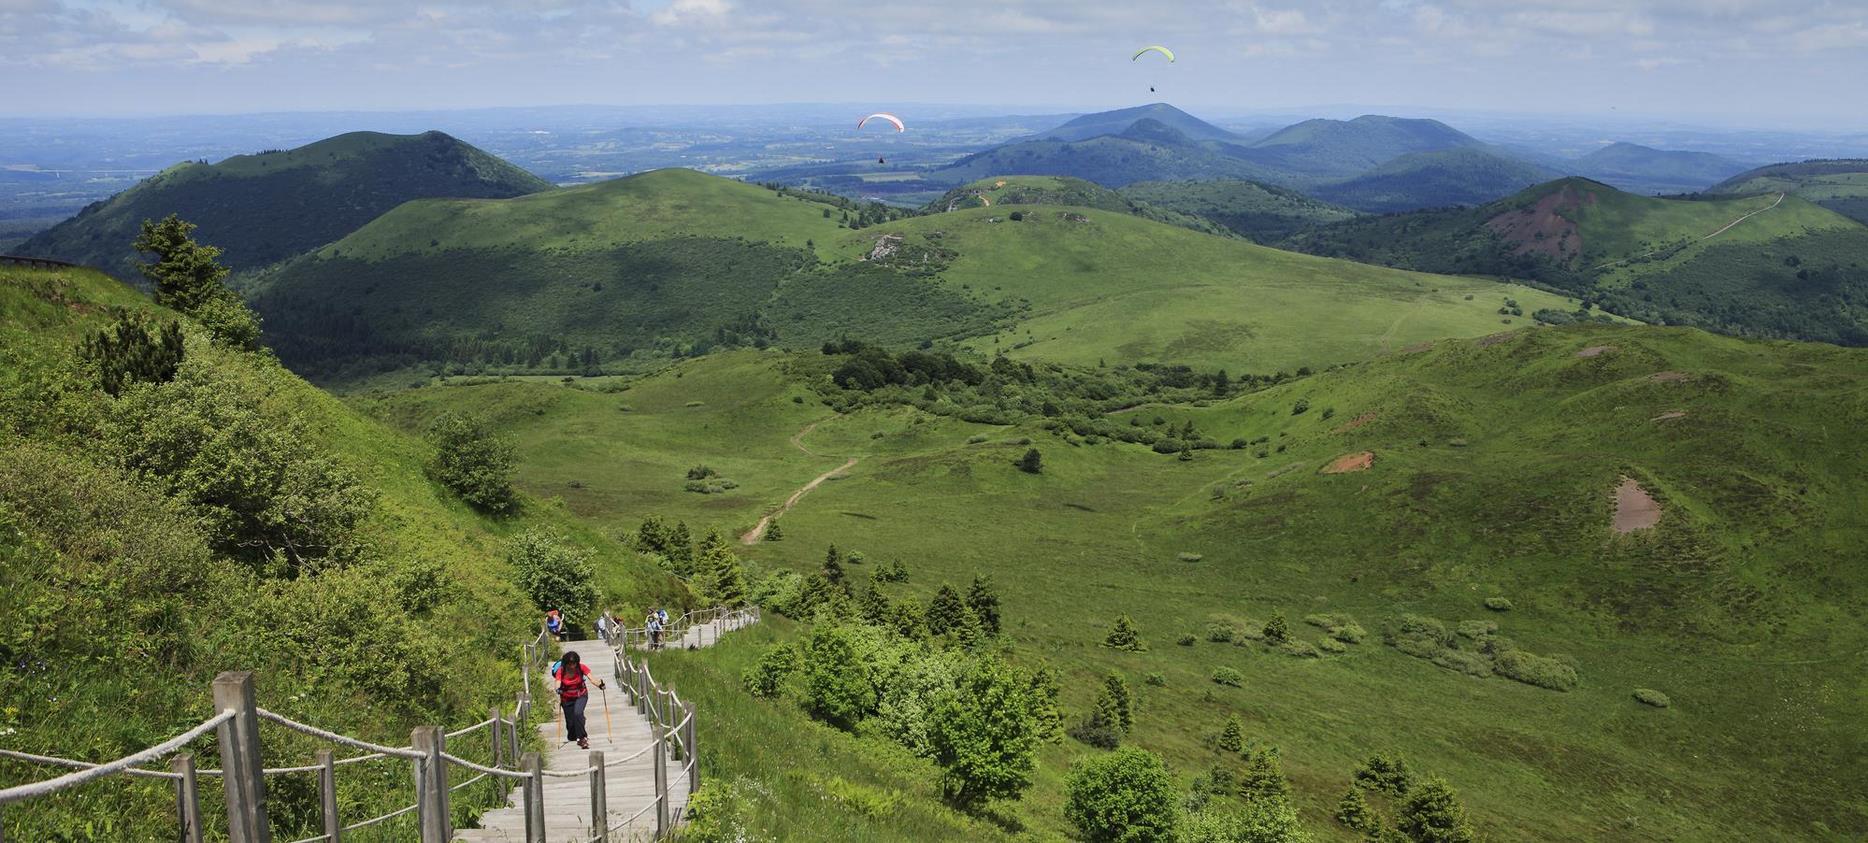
[609, 731]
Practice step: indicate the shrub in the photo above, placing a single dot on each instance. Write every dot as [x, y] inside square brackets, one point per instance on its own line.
[1186, 639]
[984, 736]
[1386, 773]
[1340, 627]
[1649, 696]
[1432, 814]
[1222, 631]
[1542, 671]
[1154, 679]
[1498, 604]
[1227, 676]
[134, 350]
[767, 677]
[976, 439]
[1302, 406]
[1417, 635]
[1332, 646]
[702, 472]
[1261, 821]
[1232, 737]
[1300, 649]
[1123, 635]
[1264, 776]
[837, 686]
[1276, 630]
[1188, 557]
[717, 814]
[1032, 462]
[1353, 812]
[1476, 629]
[1464, 661]
[1127, 796]
[472, 462]
[553, 572]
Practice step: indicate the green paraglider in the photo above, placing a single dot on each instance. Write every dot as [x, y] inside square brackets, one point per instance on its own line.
[1154, 48]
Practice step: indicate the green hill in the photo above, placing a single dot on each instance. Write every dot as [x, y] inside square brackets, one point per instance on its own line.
[233, 517]
[1839, 185]
[1462, 176]
[1493, 472]
[1146, 150]
[267, 207]
[1641, 169]
[1063, 190]
[1089, 285]
[1121, 120]
[1261, 212]
[1320, 150]
[1754, 266]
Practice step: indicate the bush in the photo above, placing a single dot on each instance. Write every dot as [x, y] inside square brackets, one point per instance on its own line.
[1649, 696]
[1498, 604]
[1032, 462]
[717, 814]
[1232, 737]
[714, 486]
[767, 677]
[472, 462]
[1300, 649]
[837, 686]
[1276, 630]
[1332, 646]
[134, 350]
[701, 472]
[1340, 627]
[1476, 629]
[1264, 776]
[1154, 679]
[1302, 406]
[1186, 639]
[1184, 556]
[1542, 671]
[1353, 812]
[1417, 635]
[1229, 677]
[1386, 773]
[1469, 663]
[1127, 796]
[1432, 814]
[553, 572]
[984, 736]
[1222, 631]
[1123, 635]
[1261, 821]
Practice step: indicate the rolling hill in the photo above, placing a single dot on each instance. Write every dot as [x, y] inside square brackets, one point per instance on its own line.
[1121, 120]
[1642, 169]
[1467, 175]
[1840, 185]
[1493, 471]
[1317, 151]
[1262, 212]
[270, 206]
[1767, 265]
[1063, 190]
[1144, 150]
[629, 273]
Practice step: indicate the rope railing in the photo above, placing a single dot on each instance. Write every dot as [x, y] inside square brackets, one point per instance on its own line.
[238, 735]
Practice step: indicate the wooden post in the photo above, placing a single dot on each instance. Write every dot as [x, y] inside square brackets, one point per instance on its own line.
[245, 785]
[599, 800]
[693, 751]
[327, 793]
[431, 784]
[496, 740]
[534, 798]
[187, 796]
[660, 751]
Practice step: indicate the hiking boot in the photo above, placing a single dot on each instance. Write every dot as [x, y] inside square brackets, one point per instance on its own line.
[583, 743]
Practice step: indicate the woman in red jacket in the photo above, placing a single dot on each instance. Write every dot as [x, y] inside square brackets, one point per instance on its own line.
[574, 693]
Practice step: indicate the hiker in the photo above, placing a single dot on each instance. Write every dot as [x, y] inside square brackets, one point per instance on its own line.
[554, 623]
[663, 614]
[603, 626]
[655, 630]
[574, 693]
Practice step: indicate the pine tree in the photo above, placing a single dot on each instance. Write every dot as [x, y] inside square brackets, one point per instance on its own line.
[652, 536]
[718, 572]
[188, 277]
[774, 533]
[1432, 814]
[874, 606]
[1276, 630]
[1121, 704]
[1388, 774]
[1264, 776]
[1123, 635]
[1043, 695]
[833, 567]
[134, 351]
[984, 602]
[680, 549]
[945, 612]
[1032, 462]
[1353, 812]
[1232, 738]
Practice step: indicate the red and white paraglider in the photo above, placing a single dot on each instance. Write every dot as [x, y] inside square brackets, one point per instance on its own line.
[884, 116]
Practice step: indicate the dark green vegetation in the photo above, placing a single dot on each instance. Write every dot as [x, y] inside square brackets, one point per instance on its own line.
[1462, 176]
[1643, 169]
[1840, 185]
[270, 206]
[1063, 190]
[1320, 151]
[1475, 476]
[1145, 150]
[1261, 212]
[1753, 266]
[171, 507]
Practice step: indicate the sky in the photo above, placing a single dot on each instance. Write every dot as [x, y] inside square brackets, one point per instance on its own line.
[1798, 63]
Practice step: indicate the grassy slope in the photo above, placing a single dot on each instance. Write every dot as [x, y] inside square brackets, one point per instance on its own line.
[267, 207]
[1000, 191]
[146, 697]
[1739, 606]
[1259, 211]
[1839, 185]
[1460, 176]
[1121, 288]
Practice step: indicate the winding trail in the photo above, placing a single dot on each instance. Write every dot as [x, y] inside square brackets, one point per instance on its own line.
[754, 535]
[1728, 227]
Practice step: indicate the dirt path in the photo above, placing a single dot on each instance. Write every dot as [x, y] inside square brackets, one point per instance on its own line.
[754, 535]
[1728, 227]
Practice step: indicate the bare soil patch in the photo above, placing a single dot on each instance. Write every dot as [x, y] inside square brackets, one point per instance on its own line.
[1351, 462]
[1490, 340]
[1670, 377]
[1635, 509]
[1356, 422]
[1669, 416]
[1595, 351]
[1545, 228]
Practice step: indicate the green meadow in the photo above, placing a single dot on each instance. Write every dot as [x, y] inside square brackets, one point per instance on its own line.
[1494, 465]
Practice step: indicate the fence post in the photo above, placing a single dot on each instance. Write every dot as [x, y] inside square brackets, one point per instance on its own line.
[187, 796]
[660, 751]
[496, 740]
[327, 795]
[599, 800]
[431, 784]
[240, 759]
[693, 751]
[534, 798]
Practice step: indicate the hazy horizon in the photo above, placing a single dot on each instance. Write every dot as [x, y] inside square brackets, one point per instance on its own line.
[1738, 63]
